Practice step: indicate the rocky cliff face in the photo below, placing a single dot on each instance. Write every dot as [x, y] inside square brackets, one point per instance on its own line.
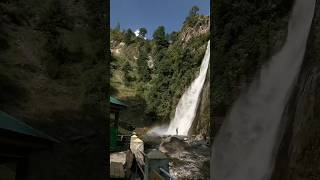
[299, 153]
[201, 27]
[51, 57]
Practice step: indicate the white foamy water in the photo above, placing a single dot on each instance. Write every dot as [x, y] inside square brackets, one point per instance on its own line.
[187, 107]
[247, 141]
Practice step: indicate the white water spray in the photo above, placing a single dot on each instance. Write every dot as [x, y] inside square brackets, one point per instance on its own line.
[244, 147]
[187, 107]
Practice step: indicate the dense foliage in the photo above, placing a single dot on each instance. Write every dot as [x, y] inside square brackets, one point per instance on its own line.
[53, 40]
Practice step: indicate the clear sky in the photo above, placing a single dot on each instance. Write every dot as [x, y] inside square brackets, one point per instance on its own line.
[153, 13]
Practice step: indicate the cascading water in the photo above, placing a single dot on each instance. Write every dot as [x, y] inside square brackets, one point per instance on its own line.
[244, 147]
[187, 107]
[188, 103]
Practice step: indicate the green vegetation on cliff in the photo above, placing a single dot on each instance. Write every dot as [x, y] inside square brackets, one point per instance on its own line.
[245, 35]
[53, 74]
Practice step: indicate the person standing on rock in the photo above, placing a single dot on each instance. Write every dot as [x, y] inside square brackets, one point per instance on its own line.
[177, 131]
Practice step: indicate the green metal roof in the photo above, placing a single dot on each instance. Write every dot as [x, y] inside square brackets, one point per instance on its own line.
[8, 122]
[117, 102]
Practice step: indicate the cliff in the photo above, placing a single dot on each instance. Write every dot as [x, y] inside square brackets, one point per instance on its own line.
[298, 157]
[53, 77]
[246, 34]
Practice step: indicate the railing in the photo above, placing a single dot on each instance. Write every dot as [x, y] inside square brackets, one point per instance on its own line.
[163, 171]
[140, 165]
[141, 169]
[144, 155]
[123, 142]
[149, 168]
[167, 174]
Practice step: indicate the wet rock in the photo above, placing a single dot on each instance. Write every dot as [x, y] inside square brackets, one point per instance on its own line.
[151, 142]
[173, 145]
[187, 156]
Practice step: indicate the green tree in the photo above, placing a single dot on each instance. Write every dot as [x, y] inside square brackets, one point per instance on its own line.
[126, 68]
[128, 38]
[191, 19]
[173, 37]
[142, 32]
[193, 11]
[143, 69]
[159, 36]
[116, 35]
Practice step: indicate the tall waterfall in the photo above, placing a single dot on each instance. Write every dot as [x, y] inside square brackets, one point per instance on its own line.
[246, 144]
[187, 107]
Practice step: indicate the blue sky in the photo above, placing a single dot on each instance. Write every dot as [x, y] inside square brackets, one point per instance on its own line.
[153, 13]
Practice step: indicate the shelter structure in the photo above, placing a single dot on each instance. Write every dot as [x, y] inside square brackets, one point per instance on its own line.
[17, 141]
[115, 107]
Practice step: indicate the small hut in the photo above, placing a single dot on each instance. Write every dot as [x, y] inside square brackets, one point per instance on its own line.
[17, 141]
[115, 107]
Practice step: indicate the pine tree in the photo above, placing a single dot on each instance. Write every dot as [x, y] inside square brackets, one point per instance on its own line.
[173, 37]
[142, 32]
[159, 36]
[193, 11]
[128, 38]
[191, 19]
[143, 69]
[126, 68]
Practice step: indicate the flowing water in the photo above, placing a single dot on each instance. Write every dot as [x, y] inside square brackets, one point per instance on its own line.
[244, 148]
[187, 107]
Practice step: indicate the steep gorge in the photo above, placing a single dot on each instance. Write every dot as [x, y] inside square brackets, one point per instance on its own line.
[298, 154]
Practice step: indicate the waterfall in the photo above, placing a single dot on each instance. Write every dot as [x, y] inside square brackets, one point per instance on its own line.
[187, 106]
[245, 145]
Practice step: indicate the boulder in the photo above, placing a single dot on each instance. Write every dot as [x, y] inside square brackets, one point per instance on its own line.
[173, 145]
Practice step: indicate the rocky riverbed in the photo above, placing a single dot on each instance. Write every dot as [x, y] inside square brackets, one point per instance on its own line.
[189, 156]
